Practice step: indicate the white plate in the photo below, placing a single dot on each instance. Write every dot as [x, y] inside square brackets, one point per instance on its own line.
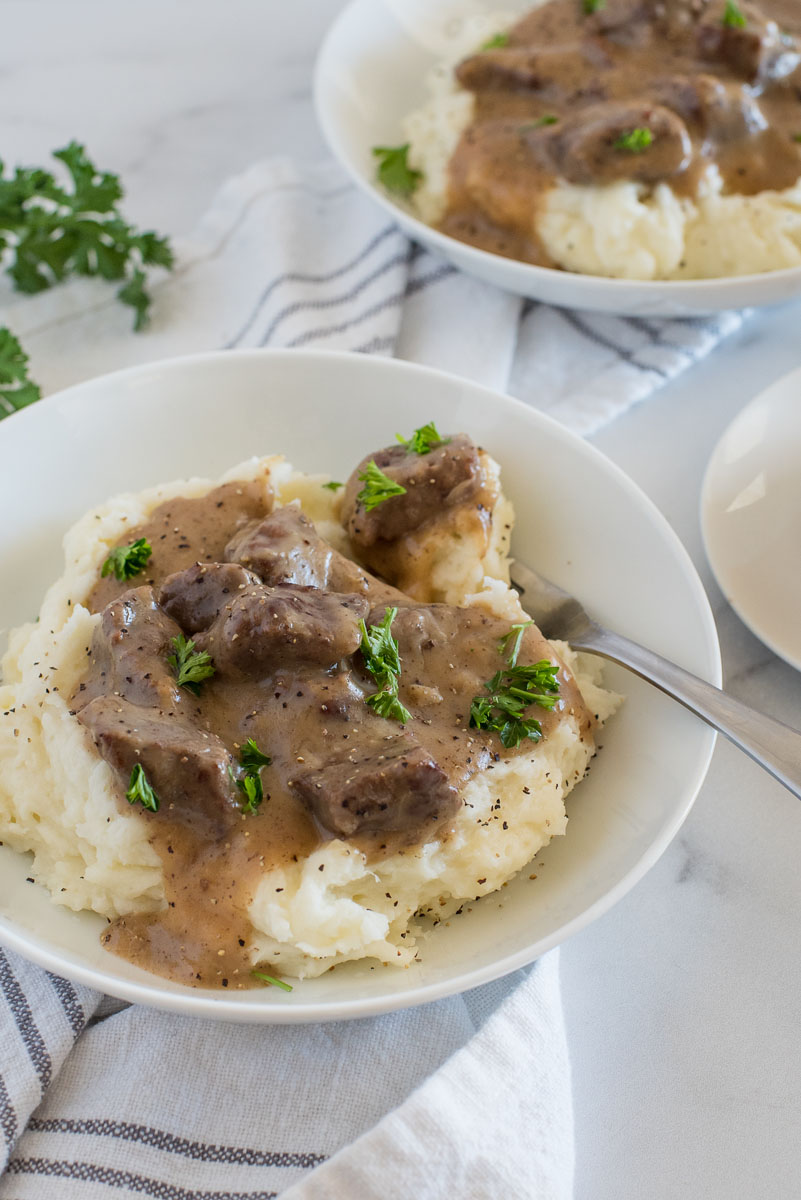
[751, 516]
[579, 518]
[371, 73]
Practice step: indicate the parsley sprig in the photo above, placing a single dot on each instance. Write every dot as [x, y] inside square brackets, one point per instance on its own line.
[378, 487]
[50, 231]
[635, 141]
[394, 171]
[252, 759]
[382, 659]
[17, 390]
[513, 638]
[496, 42]
[510, 693]
[279, 983]
[333, 485]
[423, 440]
[127, 561]
[593, 6]
[139, 790]
[733, 16]
[191, 666]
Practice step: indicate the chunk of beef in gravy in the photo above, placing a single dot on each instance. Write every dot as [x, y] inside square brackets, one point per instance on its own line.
[196, 596]
[591, 149]
[129, 653]
[285, 547]
[264, 628]
[393, 785]
[448, 476]
[186, 767]
[554, 102]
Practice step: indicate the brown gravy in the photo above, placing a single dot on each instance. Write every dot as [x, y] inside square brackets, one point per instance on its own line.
[558, 97]
[306, 714]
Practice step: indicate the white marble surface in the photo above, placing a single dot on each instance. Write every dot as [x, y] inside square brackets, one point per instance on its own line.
[683, 1002]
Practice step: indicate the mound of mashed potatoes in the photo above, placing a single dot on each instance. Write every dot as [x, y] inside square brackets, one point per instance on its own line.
[635, 228]
[64, 802]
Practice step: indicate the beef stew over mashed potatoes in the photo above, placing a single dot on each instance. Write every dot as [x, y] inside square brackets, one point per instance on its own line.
[268, 724]
[646, 139]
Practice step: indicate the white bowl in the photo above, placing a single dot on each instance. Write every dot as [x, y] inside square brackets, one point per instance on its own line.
[578, 518]
[371, 73]
[751, 516]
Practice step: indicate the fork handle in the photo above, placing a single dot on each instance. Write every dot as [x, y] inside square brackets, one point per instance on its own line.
[775, 746]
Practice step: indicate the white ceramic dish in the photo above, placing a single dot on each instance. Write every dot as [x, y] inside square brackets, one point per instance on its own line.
[751, 516]
[370, 73]
[579, 518]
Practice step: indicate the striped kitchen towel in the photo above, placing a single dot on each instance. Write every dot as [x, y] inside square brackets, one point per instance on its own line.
[298, 257]
[469, 1096]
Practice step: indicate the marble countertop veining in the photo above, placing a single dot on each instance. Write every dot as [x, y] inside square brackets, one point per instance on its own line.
[683, 1003]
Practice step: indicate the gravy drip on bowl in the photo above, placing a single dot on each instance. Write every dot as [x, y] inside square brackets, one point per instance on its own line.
[279, 611]
[567, 94]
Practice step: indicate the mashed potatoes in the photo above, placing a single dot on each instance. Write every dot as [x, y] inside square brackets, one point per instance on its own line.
[61, 801]
[623, 230]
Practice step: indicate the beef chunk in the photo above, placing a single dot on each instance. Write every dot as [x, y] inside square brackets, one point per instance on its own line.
[710, 107]
[129, 652]
[266, 628]
[757, 53]
[286, 548]
[450, 474]
[196, 596]
[555, 73]
[393, 785]
[584, 147]
[185, 766]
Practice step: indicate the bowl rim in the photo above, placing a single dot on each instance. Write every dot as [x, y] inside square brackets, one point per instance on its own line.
[595, 285]
[201, 1003]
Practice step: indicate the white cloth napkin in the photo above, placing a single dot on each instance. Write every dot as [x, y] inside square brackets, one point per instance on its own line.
[468, 1097]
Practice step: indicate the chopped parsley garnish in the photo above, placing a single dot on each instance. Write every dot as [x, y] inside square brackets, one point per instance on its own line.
[127, 561]
[394, 171]
[797, 137]
[514, 637]
[382, 660]
[333, 485]
[252, 759]
[191, 667]
[540, 122]
[593, 6]
[635, 141]
[496, 42]
[378, 487]
[54, 231]
[733, 17]
[423, 440]
[140, 791]
[279, 983]
[510, 693]
[17, 390]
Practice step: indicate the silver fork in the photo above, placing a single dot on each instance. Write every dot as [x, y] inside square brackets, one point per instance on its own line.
[775, 746]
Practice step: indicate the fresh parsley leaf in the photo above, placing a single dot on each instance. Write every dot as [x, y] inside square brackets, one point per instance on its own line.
[635, 141]
[127, 561]
[252, 758]
[496, 42]
[279, 983]
[511, 692]
[140, 791]
[251, 788]
[16, 389]
[191, 667]
[49, 231]
[423, 440]
[797, 137]
[546, 119]
[593, 6]
[333, 485]
[378, 487]
[513, 637]
[394, 171]
[733, 17]
[382, 660]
